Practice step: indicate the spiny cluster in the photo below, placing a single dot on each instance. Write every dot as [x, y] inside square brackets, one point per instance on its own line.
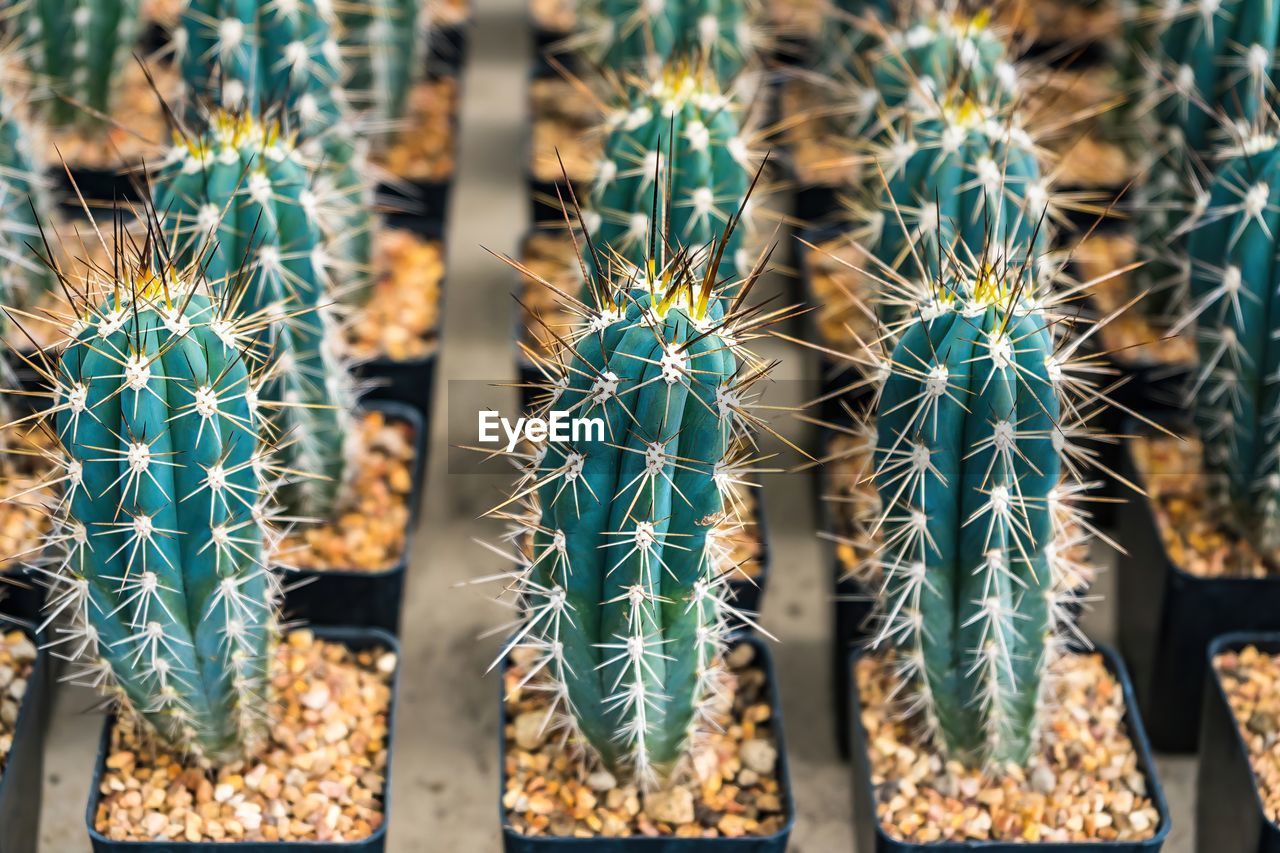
[157, 559]
[675, 161]
[24, 206]
[384, 44]
[621, 579]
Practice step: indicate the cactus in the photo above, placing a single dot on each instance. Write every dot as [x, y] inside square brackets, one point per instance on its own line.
[634, 36]
[622, 588]
[77, 49]
[238, 202]
[164, 519]
[24, 206]
[969, 454]
[1235, 282]
[384, 43]
[964, 180]
[679, 136]
[262, 57]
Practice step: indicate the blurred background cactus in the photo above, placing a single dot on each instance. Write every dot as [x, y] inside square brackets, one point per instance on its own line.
[384, 46]
[25, 208]
[633, 36]
[165, 574]
[237, 201]
[971, 426]
[284, 59]
[1235, 284]
[75, 51]
[623, 589]
[675, 160]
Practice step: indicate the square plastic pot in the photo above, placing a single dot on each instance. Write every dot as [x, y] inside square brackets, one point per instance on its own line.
[1229, 814]
[21, 597]
[352, 638]
[871, 837]
[341, 597]
[515, 842]
[22, 779]
[1168, 617]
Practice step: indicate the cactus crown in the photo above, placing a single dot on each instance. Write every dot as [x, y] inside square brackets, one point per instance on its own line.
[962, 180]
[238, 202]
[1235, 282]
[162, 524]
[384, 44]
[974, 470]
[76, 49]
[675, 162]
[622, 577]
[635, 36]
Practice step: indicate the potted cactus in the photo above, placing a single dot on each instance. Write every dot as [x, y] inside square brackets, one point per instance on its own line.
[1235, 794]
[1202, 547]
[621, 673]
[161, 591]
[239, 202]
[974, 670]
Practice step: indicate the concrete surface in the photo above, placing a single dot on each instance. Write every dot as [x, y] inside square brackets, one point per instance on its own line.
[445, 786]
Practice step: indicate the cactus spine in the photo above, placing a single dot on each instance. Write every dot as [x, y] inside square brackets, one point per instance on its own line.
[640, 37]
[166, 575]
[77, 49]
[623, 587]
[384, 44]
[969, 430]
[238, 202]
[259, 57]
[24, 206]
[1235, 287]
[674, 159]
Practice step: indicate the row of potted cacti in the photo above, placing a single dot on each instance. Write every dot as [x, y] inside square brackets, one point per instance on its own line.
[946, 176]
[209, 436]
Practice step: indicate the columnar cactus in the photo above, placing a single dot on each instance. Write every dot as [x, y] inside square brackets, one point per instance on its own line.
[642, 37]
[237, 201]
[261, 57]
[964, 180]
[623, 587]
[384, 44]
[1235, 285]
[166, 577]
[78, 50]
[24, 206]
[681, 136]
[970, 432]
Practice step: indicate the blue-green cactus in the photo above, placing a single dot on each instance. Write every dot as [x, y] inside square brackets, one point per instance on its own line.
[968, 459]
[238, 202]
[256, 58]
[680, 134]
[167, 576]
[623, 586]
[25, 206]
[384, 44]
[633, 36]
[1235, 285]
[962, 181]
[77, 49]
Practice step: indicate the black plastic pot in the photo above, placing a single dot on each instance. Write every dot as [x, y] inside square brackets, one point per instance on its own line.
[22, 778]
[514, 842]
[1229, 813]
[1168, 619]
[871, 837]
[353, 638]
[21, 597]
[349, 597]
